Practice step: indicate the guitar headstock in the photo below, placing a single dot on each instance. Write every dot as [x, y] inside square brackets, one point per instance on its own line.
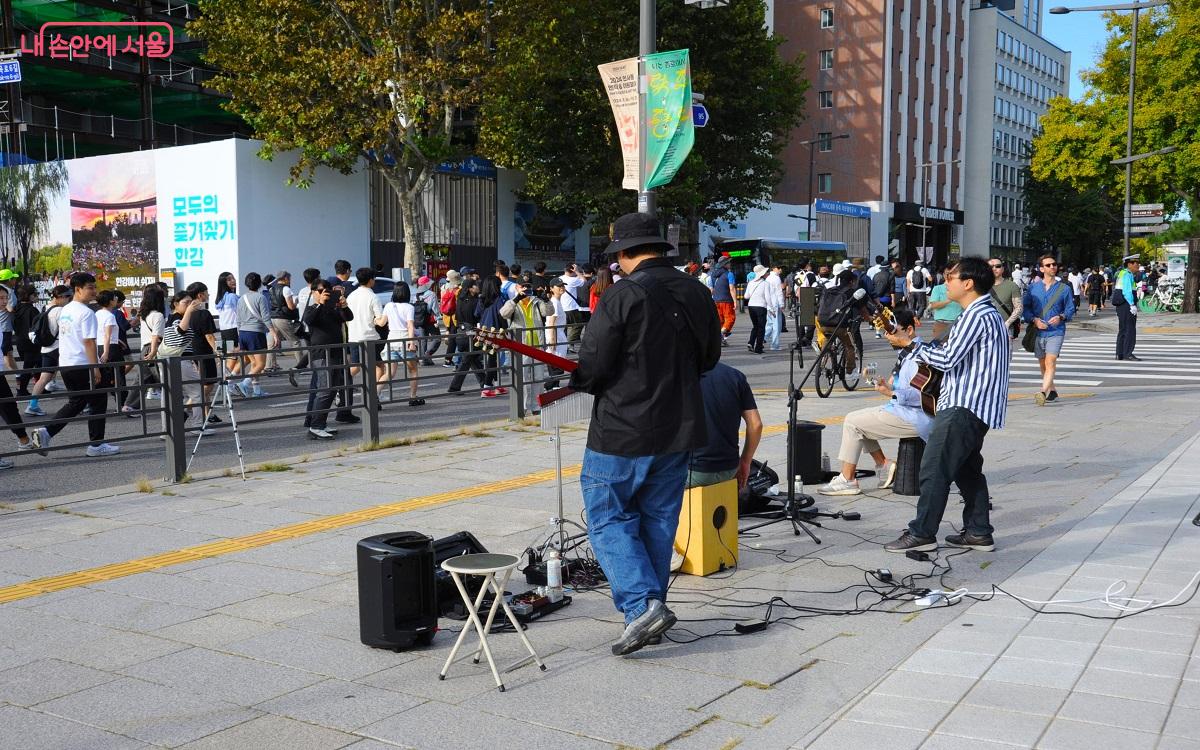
[486, 338]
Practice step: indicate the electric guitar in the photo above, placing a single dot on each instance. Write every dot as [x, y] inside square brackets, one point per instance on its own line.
[928, 380]
[491, 339]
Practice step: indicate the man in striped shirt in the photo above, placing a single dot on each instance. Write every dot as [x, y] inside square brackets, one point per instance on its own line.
[973, 399]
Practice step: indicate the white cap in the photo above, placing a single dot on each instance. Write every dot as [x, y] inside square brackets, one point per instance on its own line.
[837, 268]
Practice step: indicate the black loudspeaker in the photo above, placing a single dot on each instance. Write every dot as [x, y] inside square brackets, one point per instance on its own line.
[449, 600]
[807, 298]
[806, 452]
[397, 596]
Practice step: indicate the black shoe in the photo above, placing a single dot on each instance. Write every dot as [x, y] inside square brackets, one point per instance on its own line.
[428, 362]
[416, 402]
[318, 434]
[656, 620]
[349, 419]
[907, 542]
[1133, 357]
[1052, 396]
[981, 543]
[1120, 359]
[292, 379]
[214, 419]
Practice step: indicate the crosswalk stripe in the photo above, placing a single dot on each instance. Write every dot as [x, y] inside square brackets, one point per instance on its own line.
[1090, 361]
[1057, 381]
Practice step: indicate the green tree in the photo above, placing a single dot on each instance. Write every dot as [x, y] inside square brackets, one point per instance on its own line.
[1077, 224]
[1081, 138]
[343, 81]
[546, 112]
[25, 196]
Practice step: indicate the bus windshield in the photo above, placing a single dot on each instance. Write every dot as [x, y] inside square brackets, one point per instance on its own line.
[744, 255]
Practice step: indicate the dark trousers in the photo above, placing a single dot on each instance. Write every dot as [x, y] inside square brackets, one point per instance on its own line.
[30, 357]
[9, 411]
[324, 386]
[1126, 331]
[79, 384]
[470, 360]
[575, 323]
[758, 327]
[953, 454]
[148, 369]
[451, 341]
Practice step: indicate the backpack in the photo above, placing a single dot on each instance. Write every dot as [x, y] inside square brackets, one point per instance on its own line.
[279, 308]
[833, 303]
[916, 279]
[41, 333]
[449, 302]
[421, 314]
[883, 283]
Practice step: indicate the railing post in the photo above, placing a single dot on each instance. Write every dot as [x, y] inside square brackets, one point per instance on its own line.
[370, 418]
[516, 394]
[173, 416]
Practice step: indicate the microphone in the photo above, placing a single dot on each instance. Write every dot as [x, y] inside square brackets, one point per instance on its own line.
[860, 296]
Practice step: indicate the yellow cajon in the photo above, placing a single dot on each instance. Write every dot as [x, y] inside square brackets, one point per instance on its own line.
[707, 534]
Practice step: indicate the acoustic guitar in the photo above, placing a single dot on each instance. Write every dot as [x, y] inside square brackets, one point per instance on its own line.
[491, 339]
[928, 380]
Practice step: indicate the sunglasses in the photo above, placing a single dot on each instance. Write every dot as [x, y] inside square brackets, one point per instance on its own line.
[1049, 265]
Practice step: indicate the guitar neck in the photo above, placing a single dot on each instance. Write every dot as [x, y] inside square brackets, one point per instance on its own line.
[545, 357]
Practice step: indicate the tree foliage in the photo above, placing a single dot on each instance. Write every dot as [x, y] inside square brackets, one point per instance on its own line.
[546, 112]
[1081, 138]
[25, 196]
[1076, 224]
[340, 81]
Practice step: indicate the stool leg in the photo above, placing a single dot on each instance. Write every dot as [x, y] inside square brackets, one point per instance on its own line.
[472, 607]
[513, 619]
[488, 580]
[499, 597]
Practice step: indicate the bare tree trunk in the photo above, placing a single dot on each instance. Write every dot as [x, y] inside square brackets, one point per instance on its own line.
[409, 194]
[1191, 283]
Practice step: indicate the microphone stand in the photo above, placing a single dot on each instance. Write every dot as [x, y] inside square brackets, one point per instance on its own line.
[795, 505]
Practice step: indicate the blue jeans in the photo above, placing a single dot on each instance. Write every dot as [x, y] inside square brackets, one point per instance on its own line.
[773, 320]
[633, 507]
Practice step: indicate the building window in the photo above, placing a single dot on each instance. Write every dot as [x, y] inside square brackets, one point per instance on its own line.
[825, 59]
[825, 182]
[824, 142]
[826, 18]
[825, 99]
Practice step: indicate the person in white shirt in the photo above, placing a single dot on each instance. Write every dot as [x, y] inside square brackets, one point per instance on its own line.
[77, 334]
[572, 287]
[361, 330]
[774, 284]
[757, 296]
[108, 339]
[402, 339]
[59, 297]
[918, 282]
[226, 305]
[1075, 279]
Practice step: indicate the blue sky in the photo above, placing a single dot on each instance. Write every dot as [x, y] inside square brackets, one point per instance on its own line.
[1081, 34]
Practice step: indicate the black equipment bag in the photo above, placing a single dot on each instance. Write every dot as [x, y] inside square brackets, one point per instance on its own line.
[834, 301]
[755, 497]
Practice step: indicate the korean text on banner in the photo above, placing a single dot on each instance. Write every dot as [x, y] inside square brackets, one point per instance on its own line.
[621, 81]
[671, 132]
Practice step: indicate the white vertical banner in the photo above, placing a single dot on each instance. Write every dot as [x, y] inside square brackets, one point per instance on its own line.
[621, 82]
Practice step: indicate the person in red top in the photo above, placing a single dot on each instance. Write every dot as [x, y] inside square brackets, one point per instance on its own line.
[603, 281]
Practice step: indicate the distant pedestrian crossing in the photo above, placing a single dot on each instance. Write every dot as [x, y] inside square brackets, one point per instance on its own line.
[1089, 360]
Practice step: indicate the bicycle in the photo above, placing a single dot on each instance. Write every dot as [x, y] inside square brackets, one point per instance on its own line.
[832, 366]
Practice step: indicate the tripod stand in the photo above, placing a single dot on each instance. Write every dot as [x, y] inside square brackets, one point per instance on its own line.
[221, 392]
[795, 506]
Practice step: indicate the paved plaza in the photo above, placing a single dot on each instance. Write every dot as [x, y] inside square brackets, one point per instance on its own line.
[174, 617]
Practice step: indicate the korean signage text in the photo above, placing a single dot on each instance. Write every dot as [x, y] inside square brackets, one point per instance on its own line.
[64, 40]
[192, 228]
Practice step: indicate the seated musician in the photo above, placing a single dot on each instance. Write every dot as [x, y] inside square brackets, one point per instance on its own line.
[728, 401]
[901, 417]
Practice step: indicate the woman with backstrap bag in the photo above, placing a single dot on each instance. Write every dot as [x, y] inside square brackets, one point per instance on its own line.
[1048, 306]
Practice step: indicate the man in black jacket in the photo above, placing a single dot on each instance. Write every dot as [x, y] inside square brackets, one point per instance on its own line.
[642, 357]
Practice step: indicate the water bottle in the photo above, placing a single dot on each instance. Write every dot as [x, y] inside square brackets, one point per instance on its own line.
[553, 571]
[825, 462]
[871, 373]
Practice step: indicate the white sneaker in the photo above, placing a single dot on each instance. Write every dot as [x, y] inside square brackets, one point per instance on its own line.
[53, 386]
[840, 486]
[154, 394]
[5, 463]
[40, 439]
[104, 449]
[886, 474]
[34, 411]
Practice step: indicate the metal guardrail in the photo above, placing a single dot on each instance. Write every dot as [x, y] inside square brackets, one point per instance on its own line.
[363, 393]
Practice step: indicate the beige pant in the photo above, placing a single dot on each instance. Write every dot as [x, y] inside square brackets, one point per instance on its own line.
[864, 428]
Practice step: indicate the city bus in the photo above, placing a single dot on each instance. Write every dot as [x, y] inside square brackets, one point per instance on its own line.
[744, 255]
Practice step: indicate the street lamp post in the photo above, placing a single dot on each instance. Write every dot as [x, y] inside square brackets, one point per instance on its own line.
[808, 215]
[1129, 160]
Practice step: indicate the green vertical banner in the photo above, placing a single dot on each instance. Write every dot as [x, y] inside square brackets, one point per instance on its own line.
[668, 116]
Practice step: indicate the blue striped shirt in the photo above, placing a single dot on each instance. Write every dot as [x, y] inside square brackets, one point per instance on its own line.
[975, 360]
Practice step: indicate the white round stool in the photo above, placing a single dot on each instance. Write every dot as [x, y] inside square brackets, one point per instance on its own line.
[486, 565]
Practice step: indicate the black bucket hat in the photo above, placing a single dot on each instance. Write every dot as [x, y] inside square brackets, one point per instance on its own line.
[636, 230]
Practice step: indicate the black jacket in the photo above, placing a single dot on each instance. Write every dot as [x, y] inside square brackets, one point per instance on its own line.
[325, 326]
[644, 368]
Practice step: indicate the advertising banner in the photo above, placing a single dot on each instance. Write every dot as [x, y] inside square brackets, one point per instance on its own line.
[670, 132]
[621, 82]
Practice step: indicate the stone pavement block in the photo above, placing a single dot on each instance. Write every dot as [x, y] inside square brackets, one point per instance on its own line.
[44, 635]
[29, 729]
[1177, 743]
[938, 662]
[1067, 652]
[437, 726]
[213, 631]
[28, 563]
[340, 705]
[1184, 722]
[852, 734]
[1189, 694]
[265, 578]
[418, 676]
[939, 688]
[372, 745]
[222, 676]
[897, 711]
[218, 526]
[168, 586]
[274, 731]
[10, 657]
[337, 622]
[1064, 734]
[1169, 643]
[136, 540]
[1143, 716]
[120, 611]
[1090, 632]
[1128, 685]
[1034, 672]
[1140, 661]
[274, 608]
[994, 725]
[342, 591]
[47, 679]
[148, 712]
[1009, 696]
[333, 657]
[967, 641]
[716, 733]
[939, 741]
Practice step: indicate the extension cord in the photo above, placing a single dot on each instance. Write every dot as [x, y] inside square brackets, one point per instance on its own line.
[933, 597]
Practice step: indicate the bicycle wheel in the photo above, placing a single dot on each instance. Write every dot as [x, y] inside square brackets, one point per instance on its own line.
[825, 372]
[850, 377]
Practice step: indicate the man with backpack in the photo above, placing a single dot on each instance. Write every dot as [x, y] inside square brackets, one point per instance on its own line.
[424, 320]
[44, 336]
[285, 319]
[882, 282]
[918, 282]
